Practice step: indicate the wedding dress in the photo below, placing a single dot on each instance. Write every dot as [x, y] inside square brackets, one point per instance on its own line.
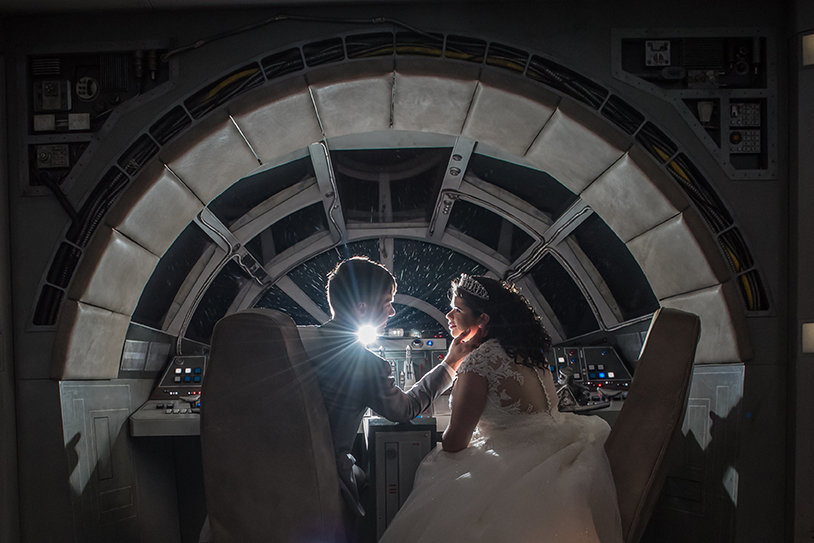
[530, 473]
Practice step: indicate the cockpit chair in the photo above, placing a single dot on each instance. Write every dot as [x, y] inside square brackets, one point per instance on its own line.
[268, 461]
[652, 416]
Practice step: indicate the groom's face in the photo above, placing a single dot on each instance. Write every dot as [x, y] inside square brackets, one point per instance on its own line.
[378, 310]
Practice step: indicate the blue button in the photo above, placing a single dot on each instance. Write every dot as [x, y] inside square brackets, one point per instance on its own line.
[601, 374]
[197, 378]
[187, 379]
[197, 370]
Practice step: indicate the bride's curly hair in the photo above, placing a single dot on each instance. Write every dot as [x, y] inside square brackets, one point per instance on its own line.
[512, 321]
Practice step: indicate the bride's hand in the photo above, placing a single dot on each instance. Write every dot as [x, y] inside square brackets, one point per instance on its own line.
[461, 347]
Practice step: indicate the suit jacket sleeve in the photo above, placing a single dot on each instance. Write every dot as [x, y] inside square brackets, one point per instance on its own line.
[394, 404]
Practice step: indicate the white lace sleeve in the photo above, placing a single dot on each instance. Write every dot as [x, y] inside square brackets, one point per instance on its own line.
[483, 360]
[512, 388]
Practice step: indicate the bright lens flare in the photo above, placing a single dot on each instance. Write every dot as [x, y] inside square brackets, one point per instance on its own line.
[367, 334]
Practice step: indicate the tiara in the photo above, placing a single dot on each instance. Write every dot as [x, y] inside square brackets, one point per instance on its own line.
[467, 284]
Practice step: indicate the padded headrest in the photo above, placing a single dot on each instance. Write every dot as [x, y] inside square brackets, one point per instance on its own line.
[651, 416]
[269, 467]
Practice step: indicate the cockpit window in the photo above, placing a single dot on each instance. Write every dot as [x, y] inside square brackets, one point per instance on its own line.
[617, 267]
[169, 274]
[564, 296]
[216, 301]
[389, 185]
[312, 276]
[299, 225]
[425, 270]
[250, 191]
[490, 229]
[535, 187]
[275, 298]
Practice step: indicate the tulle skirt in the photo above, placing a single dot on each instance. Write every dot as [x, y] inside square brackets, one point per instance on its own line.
[545, 479]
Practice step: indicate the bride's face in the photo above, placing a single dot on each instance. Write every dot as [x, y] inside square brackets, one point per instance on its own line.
[462, 319]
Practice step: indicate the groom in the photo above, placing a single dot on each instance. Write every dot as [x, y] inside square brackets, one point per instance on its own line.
[360, 292]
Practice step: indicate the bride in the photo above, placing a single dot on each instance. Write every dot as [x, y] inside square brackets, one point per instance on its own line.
[511, 466]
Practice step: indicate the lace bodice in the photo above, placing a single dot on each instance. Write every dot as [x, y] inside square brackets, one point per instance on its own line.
[514, 389]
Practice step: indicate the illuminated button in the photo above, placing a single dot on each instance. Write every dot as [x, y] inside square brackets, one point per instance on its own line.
[178, 370]
[168, 411]
[611, 375]
[198, 370]
[177, 379]
[176, 411]
[187, 379]
[429, 342]
[561, 359]
[188, 370]
[197, 378]
[601, 374]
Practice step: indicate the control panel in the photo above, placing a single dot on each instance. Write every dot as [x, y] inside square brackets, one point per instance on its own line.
[71, 96]
[174, 406]
[589, 377]
[724, 85]
[410, 358]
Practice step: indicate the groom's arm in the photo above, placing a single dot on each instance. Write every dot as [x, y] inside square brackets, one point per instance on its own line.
[392, 403]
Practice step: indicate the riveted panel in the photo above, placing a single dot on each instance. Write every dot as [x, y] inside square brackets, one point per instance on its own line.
[506, 119]
[88, 343]
[575, 147]
[432, 102]
[155, 209]
[211, 157]
[626, 197]
[351, 105]
[724, 337]
[277, 121]
[113, 272]
[102, 476]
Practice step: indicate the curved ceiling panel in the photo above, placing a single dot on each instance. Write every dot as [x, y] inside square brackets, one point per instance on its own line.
[632, 197]
[278, 121]
[723, 326]
[88, 343]
[572, 144]
[211, 157]
[113, 273]
[501, 117]
[155, 210]
[351, 105]
[432, 100]
[677, 244]
[575, 146]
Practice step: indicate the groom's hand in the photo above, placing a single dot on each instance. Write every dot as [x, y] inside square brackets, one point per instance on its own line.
[461, 347]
